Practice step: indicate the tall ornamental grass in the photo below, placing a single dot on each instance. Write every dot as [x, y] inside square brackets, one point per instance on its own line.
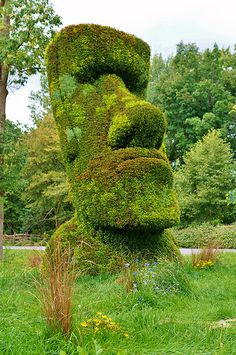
[55, 286]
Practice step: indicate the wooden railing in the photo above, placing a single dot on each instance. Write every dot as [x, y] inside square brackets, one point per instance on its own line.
[17, 238]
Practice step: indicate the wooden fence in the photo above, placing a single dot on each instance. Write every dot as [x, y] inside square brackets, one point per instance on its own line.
[19, 238]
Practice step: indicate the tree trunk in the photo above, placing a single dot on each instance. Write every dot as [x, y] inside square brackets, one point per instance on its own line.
[4, 72]
[3, 97]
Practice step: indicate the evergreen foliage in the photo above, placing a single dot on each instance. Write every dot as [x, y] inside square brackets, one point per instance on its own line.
[111, 138]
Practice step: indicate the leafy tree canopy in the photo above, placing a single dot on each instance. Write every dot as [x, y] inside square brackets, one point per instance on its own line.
[40, 103]
[46, 192]
[27, 28]
[206, 180]
[197, 91]
[34, 180]
[12, 183]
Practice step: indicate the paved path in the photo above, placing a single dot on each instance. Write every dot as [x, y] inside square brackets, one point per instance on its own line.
[184, 251]
[187, 251]
[25, 247]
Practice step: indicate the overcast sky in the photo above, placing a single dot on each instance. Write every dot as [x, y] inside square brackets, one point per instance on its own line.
[161, 23]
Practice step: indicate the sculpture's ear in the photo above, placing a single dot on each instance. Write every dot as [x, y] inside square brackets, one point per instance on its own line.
[86, 52]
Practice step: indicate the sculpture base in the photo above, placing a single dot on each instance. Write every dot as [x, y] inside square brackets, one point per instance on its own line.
[97, 251]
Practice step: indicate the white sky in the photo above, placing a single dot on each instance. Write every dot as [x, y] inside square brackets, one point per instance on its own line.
[161, 23]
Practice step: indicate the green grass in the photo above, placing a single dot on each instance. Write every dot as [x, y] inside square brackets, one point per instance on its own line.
[181, 323]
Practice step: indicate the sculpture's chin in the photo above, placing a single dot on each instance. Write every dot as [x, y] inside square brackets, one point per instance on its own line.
[128, 191]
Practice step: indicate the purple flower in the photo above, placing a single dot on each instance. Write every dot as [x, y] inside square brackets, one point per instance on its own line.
[146, 264]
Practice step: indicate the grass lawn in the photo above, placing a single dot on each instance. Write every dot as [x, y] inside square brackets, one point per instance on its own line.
[162, 323]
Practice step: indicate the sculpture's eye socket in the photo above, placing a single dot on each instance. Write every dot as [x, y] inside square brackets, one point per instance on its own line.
[139, 125]
[88, 51]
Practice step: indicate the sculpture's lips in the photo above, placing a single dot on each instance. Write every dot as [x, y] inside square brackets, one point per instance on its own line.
[134, 162]
[128, 163]
[138, 166]
[133, 189]
[137, 152]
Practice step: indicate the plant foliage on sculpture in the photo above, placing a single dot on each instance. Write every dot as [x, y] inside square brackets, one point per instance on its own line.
[111, 138]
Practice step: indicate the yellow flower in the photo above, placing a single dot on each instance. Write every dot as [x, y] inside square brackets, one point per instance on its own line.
[126, 335]
[105, 317]
[97, 321]
[113, 326]
[84, 324]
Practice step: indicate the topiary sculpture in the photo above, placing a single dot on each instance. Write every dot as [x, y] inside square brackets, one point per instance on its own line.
[111, 139]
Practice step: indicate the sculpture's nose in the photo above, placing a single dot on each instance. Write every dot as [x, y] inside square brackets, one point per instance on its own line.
[140, 124]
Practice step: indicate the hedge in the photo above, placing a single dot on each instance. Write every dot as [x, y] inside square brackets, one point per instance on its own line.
[200, 235]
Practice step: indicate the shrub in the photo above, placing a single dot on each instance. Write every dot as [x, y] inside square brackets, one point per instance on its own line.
[198, 236]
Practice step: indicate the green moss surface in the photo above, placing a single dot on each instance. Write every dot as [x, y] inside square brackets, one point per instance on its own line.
[110, 136]
[107, 250]
[88, 51]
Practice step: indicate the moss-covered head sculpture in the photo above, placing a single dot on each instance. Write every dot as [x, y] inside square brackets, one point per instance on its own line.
[111, 138]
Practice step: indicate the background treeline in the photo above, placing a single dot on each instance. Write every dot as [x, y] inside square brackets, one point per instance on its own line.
[36, 198]
[197, 92]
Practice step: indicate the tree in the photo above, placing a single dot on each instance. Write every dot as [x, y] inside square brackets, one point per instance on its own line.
[205, 180]
[196, 90]
[34, 181]
[12, 183]
[25, 29]
[40, 103]
[46, 191]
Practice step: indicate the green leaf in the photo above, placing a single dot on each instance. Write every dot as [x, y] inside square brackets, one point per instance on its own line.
[62, 352]
[82, 351]
[98, 348]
